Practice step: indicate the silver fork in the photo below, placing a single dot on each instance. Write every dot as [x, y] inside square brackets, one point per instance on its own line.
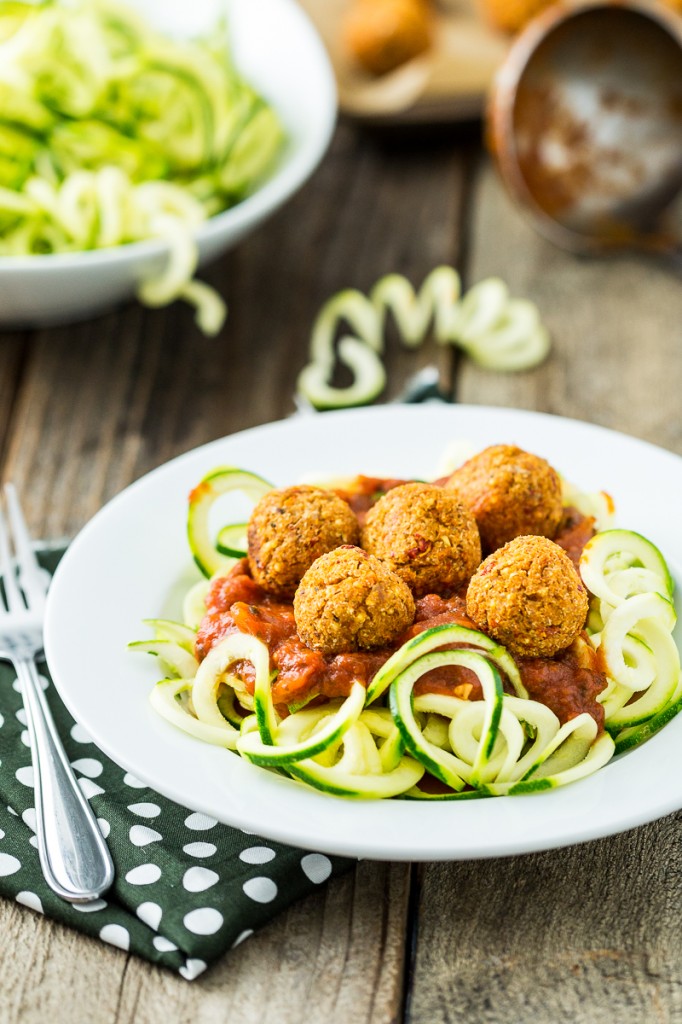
[74, 858]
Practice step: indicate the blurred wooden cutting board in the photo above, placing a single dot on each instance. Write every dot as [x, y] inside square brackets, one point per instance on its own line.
[448, 83]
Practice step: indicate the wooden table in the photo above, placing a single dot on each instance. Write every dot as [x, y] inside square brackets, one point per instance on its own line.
[591, 934]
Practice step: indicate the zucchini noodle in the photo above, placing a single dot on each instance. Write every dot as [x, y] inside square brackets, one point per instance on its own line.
[111, 133]
[387, 740]
[632, 617]
[496, 331]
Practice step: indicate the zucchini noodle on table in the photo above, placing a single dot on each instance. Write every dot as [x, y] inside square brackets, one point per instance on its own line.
[403, 729]
[496, 331]
[111, 133]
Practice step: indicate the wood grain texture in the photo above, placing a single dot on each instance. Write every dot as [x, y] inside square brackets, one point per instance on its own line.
[616, 358]
[102, 402]
[88, 408]
[335, 956]
[13, 351]
[589, 934]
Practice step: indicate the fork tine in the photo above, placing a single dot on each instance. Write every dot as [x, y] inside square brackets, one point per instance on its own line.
[33, 579]
[13, 598]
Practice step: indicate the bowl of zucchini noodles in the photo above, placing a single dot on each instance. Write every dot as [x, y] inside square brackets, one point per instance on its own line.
[153, 138]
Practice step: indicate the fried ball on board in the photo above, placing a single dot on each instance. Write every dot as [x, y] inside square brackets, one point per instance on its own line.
[383, 34]
[289, 529]
[426, 535]
[528, 596]
[510, 492]
[350, 601]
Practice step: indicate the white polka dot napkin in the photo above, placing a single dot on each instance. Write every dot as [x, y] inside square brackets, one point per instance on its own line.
[187, 888]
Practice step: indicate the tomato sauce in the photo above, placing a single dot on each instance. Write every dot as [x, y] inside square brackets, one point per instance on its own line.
[236, 604]
[365, 492]
[433, 610]
[568, 683]
[574, 532]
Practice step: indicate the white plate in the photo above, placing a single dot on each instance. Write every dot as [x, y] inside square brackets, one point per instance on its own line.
[279, 52]
[125, 566]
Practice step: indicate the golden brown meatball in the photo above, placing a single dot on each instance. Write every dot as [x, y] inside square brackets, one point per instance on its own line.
[511, 494]
[350, 601]
[289, 529]
[426, 535]
[383, 34]
[529, 596]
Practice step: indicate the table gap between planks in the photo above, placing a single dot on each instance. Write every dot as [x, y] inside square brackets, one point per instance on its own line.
[591, 934]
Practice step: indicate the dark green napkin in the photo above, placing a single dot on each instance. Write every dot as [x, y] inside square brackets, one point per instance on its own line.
[187, 888]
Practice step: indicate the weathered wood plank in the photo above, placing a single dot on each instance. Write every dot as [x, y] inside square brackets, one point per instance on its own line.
[50, 972]
[14, 347]
[617, 342]
[104, 401]
[335, 956]
[100, 403]
[587, 935]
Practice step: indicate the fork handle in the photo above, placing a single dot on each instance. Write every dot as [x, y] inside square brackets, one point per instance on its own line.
[74, 857]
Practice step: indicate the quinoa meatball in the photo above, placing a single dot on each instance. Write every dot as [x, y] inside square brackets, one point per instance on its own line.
[350, 601]
[528, 596]
[289, 529]
[426, 535]
[510, 492]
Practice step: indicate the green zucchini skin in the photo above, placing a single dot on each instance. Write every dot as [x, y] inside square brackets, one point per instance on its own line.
[444, 764]
[623, 550]
[207, 553]
[231, 540]
[632, 617]
[633, 736]
[276, 752]
[439, 636]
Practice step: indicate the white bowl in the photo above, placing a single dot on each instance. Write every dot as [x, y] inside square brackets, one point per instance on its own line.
[279, 53]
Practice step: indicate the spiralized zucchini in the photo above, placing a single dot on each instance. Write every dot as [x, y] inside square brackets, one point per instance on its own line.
[632, 617]
[387, 741]
[496, 331]
[215, 555]
[111, 133]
